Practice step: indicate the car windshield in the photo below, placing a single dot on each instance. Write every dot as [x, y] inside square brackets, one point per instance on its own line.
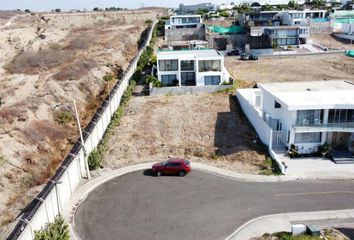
[188, 162]
[164, 163]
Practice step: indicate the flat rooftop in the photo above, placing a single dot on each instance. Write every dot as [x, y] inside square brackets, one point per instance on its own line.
[312, 94]
[210, 53]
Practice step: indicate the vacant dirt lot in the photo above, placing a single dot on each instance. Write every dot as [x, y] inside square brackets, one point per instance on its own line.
[330, 41]
[205, 127]
[304, 68]
[46, 59]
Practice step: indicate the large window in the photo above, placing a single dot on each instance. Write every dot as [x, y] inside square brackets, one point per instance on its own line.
[286, 41]
[340, 115]
[307, 117]
[314, 137]
[169, 80]
[211, 80]
[210, 66]
[296, 15]
[188, 79]
[168, 65]
[187, 65]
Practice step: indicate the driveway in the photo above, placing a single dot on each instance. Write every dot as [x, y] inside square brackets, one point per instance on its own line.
[198, 206]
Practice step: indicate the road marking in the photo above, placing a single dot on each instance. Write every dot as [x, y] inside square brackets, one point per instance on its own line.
[312, 193]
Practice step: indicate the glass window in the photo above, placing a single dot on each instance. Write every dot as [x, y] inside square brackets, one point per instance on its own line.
[314, 137]
[188, 78]
[168, 65]
[306, 117]
[277, 105]
[211, 80]
[169, 80]
[210, 66]
[340, 115]
[187, 65]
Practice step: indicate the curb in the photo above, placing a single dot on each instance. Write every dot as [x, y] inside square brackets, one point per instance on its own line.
[282, 222]
[82, 192]
[106, 175]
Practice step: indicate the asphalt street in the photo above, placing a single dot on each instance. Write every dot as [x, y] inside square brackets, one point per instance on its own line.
[198, 206]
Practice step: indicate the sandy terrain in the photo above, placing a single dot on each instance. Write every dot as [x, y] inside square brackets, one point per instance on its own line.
[47, 59]
[331, 41]
[304, 68]
[206, 128]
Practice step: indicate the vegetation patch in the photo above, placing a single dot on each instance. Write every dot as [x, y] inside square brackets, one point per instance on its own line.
[108, 77]
[96, 156]
[64, 117]
[269, 167]
[3, 159]
[57, 230]
[75, 71]
[288, 236]
[36, 62]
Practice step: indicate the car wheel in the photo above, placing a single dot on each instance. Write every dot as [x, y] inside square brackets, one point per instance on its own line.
[159, 173]
[182, 173]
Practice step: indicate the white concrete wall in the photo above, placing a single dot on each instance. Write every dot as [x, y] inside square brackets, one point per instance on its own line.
[74, 172]
[263, 130]
[265, 133]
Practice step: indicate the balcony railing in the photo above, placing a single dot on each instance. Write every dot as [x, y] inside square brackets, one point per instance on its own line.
[318, 124]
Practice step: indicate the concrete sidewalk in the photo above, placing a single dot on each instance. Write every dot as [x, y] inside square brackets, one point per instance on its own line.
[282, 222]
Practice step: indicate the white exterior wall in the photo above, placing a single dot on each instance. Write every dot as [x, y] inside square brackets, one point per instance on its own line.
[199, 76]
[265, 133]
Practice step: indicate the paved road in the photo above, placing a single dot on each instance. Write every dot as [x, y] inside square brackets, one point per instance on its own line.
[198, 206]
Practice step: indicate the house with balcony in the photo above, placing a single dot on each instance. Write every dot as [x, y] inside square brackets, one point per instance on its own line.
[294, 17]
[192, 9]
[181, 31]
[304, 114]
[191, 67]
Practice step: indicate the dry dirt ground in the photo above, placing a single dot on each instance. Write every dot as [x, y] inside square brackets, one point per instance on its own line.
[301, 68]
[205, 128]
[47, 59]
[333, 42]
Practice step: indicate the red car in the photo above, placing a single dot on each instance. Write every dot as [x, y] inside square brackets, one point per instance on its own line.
[172, 166]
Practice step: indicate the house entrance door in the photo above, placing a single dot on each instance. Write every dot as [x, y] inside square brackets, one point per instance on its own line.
[340, 140]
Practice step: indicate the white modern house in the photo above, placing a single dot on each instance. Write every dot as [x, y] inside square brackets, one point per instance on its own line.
[181, 31]
[294, 17]
[190, 9]
[191, 68]
[306, 114]
[183, 21]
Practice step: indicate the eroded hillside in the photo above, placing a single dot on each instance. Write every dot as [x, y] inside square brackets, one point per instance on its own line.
[47, 59]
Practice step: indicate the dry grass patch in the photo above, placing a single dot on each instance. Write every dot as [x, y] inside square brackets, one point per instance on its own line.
[75, 71]
[35, 62]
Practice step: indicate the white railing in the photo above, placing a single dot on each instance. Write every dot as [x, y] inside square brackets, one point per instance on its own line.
[55, 195]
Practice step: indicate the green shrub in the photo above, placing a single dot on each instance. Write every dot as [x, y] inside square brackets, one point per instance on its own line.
[224, 14]
[95, 159]
[288, 236]
[2, 159]
[108, 77]
[64, 117]
[58, 230]
[151, 79]
[96, 156]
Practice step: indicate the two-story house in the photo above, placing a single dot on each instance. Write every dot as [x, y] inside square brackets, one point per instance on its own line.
[306, 114]
[182, 29]
[191, 68]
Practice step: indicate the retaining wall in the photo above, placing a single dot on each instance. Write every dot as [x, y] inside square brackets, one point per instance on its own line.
[54, 197]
